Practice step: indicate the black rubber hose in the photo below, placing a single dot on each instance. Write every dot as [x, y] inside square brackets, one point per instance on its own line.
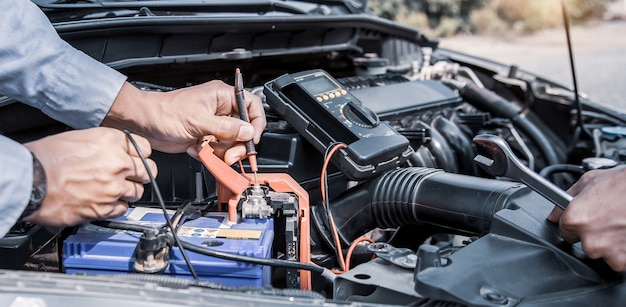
[461, 203]
[461, 144]
[487, 100]
[545, 146]
[562, 168]
[440, 148]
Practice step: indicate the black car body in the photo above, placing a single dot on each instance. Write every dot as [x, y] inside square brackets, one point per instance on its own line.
[448, 231]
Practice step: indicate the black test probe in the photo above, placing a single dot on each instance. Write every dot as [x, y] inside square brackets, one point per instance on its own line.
[243, 113]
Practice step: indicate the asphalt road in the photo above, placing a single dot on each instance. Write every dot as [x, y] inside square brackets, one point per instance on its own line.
[599, 55]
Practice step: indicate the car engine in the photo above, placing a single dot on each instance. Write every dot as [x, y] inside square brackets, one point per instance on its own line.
[378, 179]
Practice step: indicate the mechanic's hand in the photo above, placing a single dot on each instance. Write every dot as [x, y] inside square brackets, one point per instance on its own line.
[597, 216]
[91, 174]
[175, 121]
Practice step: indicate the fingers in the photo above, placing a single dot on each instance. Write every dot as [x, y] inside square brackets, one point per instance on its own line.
[194, 151]
[137, 171]
[118, 209]
[569, 234]
[143, 144]
[616, 260]
[230, 152]
[132, 191]
[555, 215]
[571, 222]
[234, 154]
[610, 247]
[138, 175]
[108, 211]
[231, 129]
[256, 114]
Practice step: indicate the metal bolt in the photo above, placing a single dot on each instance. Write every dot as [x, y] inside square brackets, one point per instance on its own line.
[496, 298]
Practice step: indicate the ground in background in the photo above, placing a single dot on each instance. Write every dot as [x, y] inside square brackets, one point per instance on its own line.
[599, 54]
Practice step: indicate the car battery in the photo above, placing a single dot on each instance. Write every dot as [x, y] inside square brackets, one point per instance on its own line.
[98, 250]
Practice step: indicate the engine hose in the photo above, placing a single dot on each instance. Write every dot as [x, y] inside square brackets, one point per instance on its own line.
[549, 171]
[417, 195]
[459, 142]
[487, 100]
[539, 137]
[440, 149]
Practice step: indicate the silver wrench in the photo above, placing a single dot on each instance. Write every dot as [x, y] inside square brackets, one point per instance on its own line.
[496, 158]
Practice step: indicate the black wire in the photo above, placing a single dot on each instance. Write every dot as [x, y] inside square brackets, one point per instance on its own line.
[156, 190]
[254, 260]
[188, 207]
[124, 226]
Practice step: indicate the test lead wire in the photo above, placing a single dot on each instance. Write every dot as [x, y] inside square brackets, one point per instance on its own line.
[157, 192]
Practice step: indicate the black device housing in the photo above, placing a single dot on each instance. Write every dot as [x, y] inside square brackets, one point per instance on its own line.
[324, 112]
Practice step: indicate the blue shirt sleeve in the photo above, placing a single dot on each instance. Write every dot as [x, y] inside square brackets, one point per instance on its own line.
[40, 69]
[15, 183]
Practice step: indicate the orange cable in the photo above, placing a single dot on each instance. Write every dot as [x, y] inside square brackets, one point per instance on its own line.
[340, 257]
[343, 263]
[352, 247]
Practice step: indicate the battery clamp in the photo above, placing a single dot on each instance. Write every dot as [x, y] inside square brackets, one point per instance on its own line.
[250, 197]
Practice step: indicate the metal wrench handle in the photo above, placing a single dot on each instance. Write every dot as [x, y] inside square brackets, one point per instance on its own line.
[496, 158]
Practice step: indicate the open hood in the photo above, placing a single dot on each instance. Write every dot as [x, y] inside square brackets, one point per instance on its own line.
[447, 231]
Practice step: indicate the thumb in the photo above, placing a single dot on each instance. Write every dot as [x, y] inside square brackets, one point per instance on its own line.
[227, 128]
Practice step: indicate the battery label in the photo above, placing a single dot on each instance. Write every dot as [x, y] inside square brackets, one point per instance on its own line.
[214, 233]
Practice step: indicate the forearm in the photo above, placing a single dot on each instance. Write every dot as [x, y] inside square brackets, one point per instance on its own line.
[132, 109]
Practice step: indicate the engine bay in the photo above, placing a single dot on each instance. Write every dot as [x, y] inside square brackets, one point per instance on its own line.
[411, 220]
